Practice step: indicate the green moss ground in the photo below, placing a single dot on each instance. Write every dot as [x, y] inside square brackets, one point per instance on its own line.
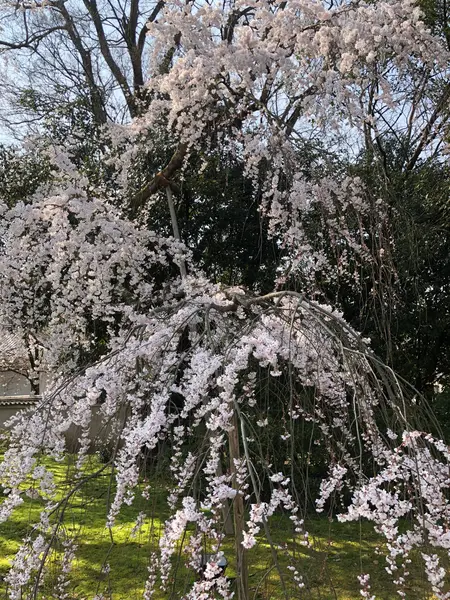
[337, 554]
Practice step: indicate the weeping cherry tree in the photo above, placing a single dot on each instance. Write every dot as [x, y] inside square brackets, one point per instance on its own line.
[125, 314]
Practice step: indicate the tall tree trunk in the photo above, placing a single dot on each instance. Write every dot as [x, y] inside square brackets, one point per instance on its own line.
[175, 229]
[227, 514]
[239, 517]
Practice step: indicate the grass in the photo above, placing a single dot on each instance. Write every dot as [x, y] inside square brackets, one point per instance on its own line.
[117, 567]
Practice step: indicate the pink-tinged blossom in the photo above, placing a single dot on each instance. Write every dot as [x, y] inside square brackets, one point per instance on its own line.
[364, 581]
[436, 575]
[328, 486]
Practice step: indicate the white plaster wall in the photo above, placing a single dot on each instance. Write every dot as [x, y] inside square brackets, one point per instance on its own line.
[14, 384]
[45, 380]
[98, 432]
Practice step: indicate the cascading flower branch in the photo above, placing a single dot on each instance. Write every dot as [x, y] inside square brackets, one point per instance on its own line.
[327, 376]
[261, 80]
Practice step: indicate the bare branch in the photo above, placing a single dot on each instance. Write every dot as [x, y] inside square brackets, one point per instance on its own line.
[142, 34]
[96, 96]
[91, 6]
[426, 136]
[31, 41]
[161, 179]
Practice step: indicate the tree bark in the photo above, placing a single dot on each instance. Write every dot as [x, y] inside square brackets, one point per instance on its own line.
[239, 516]
[175, 229]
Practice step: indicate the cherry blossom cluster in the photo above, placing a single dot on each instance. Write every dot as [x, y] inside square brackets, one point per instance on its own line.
[263, 77]
[69, 260]
[419, 465]
[364, 581]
